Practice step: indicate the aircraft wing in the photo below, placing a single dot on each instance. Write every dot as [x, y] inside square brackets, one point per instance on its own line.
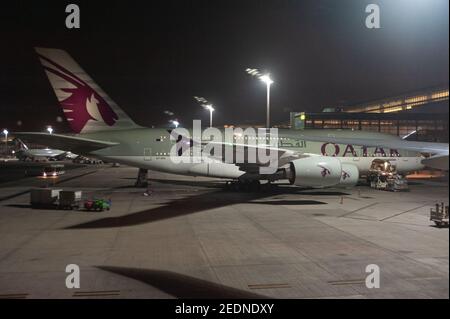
[76, 144]
[437, 161]
[243, 153]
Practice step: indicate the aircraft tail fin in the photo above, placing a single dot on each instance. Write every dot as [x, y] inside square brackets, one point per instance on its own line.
[86, 106]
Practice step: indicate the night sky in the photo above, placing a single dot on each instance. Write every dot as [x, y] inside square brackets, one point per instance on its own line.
[152, 56]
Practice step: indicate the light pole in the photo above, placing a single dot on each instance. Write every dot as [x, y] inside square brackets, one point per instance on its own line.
[175, 123]
[5, 131]
[266, 79]
[207, 105]
[211, 110]
[50, 130]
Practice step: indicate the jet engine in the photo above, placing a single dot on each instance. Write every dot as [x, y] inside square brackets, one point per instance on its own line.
[349, 175]
[315, 171]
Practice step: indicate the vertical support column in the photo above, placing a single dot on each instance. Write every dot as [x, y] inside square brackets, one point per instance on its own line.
[268, 106]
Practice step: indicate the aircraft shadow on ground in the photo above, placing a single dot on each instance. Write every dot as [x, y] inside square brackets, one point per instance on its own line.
[291, 202]
[175, 208]
[207, 184]
[273, 189]
[440, 227]
[202, 202]
[186, 206]
[19, 205]
[189, 183]
[182, 286]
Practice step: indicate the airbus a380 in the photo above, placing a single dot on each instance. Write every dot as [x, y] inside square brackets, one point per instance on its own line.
[309, 158]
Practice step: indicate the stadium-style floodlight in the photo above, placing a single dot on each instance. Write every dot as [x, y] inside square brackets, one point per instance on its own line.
[211, 110]
[266, 79]
[207, 105]
[5, 131]
[49, 129]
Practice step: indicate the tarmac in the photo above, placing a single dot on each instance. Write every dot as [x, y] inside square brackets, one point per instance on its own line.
[192, 238]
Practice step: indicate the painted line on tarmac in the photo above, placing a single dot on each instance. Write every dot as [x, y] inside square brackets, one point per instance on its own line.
[359, 209]
[14, 195]
[406, 211]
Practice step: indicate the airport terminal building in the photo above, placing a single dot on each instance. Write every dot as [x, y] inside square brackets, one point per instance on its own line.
[422, 115]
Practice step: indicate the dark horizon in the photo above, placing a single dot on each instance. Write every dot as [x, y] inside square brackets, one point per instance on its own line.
[156, 56]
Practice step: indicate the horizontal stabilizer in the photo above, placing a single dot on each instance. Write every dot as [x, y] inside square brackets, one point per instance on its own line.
[74, 144]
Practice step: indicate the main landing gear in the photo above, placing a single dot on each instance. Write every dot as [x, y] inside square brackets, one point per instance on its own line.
[141, 180]
[244, 185]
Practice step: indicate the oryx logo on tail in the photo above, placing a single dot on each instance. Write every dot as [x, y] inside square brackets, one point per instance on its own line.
[83, 103]
[86, 107]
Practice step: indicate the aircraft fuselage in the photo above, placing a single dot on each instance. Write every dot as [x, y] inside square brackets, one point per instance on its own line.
[150, 148]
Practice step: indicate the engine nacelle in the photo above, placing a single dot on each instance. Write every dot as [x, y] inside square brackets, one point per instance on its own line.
[315, 171]
[349, 176]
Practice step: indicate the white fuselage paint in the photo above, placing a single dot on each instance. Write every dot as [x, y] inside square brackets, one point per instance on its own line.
[133, 146]
[225, 170]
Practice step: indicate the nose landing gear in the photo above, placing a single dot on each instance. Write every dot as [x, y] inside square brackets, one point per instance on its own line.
[141, 180]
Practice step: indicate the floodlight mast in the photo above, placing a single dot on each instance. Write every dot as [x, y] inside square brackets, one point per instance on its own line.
[266, 79]
[211, 110]
[5, 131]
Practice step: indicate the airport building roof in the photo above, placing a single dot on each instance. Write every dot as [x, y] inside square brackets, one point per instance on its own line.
[404, 102]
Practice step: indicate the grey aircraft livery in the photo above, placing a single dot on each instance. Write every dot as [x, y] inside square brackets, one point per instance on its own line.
[309, 158]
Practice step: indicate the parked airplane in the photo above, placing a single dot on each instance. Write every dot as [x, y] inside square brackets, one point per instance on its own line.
[24, 153]
[311, 158]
